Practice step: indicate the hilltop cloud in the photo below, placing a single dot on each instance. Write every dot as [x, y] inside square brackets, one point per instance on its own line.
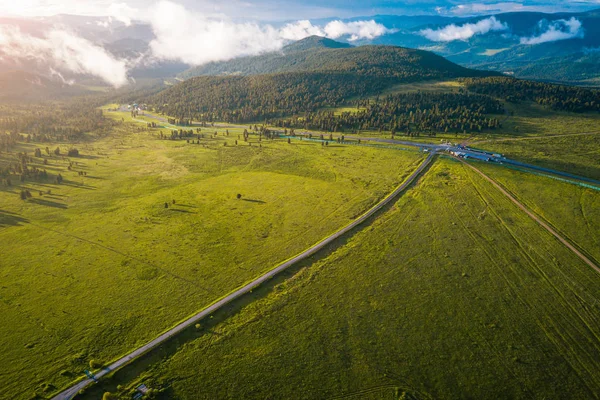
[334, 30]
[356, 30]
[453, 32]
[561, 29]
[59, 49]
[196, 39]
[180, 35]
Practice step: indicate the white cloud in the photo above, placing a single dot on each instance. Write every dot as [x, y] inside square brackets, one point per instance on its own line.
[561, 29]
[334, 30]
[196, 39]
[65, 51]
[300, 30]
[180, 35]
[453, 32]
[122, 12]
[356, 30]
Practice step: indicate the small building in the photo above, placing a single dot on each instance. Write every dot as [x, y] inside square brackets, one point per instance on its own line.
[476, 156]
[143, 389]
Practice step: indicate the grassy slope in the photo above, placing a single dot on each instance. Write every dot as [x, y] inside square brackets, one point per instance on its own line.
[100, 266]
[457, 295]
[524, 120]
[572, 210]
[578, 154]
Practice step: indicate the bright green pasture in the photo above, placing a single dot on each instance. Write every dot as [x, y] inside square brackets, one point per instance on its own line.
[531, 119]
[572, 210]
[452, 293]
[521, 120]
[577, 154]
[99, 266]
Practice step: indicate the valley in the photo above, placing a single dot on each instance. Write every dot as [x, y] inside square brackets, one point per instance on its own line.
[338, 219]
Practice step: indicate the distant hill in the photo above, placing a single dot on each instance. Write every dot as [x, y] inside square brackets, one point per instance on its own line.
[298, 81]
[314, 42]
[21, 85]
[320, 54]
[570, 61]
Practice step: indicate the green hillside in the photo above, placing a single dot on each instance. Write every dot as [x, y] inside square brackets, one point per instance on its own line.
[302, 81]
[319, 54]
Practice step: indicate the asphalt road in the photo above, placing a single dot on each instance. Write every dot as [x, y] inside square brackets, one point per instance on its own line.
[73, 390]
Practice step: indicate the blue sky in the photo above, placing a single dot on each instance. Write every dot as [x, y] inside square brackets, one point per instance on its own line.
[272, 10]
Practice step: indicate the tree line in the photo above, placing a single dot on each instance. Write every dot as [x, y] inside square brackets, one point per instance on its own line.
[240, 99]
[556, 97]
[54, 121]
[408, 114]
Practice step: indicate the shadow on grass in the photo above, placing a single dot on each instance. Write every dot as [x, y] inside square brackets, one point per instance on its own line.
[138, 368]
[85, 157]
[254, 201]
[48, 203]
[8, 218]
[77, 185]
[183, 211]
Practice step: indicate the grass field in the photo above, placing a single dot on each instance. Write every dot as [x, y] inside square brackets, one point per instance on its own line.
[572, 210]
[522, 120]
[578, 154]
[452, 293]
[99, 266]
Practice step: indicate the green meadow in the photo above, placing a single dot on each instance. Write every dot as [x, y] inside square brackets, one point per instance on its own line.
[144, 232]
[572, 210]
[526, 120]
[453, 292]
[577, 154]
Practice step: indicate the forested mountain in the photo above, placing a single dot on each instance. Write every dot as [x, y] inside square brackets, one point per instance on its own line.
[258, 97]
[315, 78]
[559, 47]
[313, 43]
[320, 54]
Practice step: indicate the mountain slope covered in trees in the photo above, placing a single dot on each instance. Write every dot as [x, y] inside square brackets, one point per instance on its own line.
[305, 80]
[320, 54]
